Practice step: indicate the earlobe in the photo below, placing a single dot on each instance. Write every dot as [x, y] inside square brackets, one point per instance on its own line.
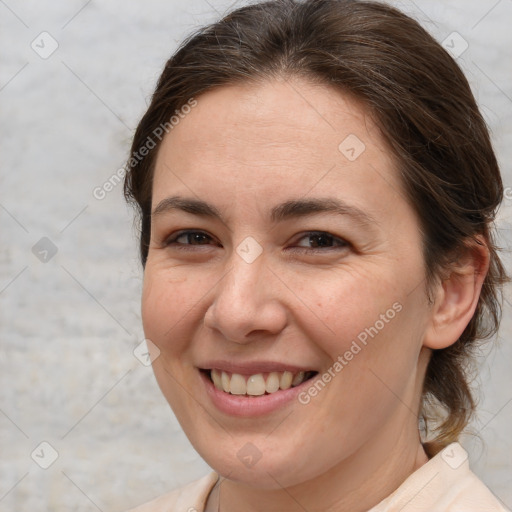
[456, 297]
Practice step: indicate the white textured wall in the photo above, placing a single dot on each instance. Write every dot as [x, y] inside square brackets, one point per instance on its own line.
[69, 326]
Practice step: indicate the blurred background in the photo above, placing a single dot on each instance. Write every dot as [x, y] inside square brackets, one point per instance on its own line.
[83, 425]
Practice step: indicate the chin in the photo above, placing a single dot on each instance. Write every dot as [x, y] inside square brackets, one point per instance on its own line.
[254, 463]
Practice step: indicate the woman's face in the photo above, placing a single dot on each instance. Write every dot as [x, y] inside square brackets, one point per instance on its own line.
[282, 242]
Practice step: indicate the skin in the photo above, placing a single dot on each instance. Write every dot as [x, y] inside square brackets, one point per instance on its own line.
[246, 149]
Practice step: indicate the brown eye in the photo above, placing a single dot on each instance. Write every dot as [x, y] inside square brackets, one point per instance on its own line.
[319, 240]
[190, 238]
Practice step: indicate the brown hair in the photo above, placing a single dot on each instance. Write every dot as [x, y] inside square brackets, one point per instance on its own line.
[425, 109]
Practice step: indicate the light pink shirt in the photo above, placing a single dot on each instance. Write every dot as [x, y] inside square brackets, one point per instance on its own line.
[444, 484]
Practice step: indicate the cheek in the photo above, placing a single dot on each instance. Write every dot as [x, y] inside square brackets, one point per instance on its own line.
[375, 358]
[348, 304]
[364, 324]
[168, 298]
[167, 308]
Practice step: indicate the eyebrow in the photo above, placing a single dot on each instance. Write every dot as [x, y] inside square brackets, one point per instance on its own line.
[290, 209]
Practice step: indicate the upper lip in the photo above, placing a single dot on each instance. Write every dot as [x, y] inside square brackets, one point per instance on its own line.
[252, 367]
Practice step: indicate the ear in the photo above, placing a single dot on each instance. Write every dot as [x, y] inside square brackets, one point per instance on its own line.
[456, 296]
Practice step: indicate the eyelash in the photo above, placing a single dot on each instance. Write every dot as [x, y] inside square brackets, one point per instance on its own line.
[342, 244]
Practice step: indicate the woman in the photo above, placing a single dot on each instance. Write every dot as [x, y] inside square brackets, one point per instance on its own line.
[317, 190]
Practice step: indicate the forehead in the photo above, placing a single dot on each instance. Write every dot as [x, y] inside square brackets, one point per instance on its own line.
[278, 138]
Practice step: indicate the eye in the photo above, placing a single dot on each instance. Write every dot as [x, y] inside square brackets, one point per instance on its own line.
[189, 238]
[314, 240]
[321, 240]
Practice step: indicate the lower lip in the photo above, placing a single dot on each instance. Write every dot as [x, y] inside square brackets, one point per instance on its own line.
[250, 406]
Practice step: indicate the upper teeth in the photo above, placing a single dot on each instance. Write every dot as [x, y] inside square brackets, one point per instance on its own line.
[255, 385]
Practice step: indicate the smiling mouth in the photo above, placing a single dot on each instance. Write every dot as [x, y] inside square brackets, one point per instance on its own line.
[258, 384]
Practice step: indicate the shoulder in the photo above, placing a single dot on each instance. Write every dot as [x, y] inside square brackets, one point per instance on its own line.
[471, 494]
[444, 484]
[189, 498]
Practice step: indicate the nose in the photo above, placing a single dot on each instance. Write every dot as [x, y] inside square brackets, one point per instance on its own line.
[246, 303]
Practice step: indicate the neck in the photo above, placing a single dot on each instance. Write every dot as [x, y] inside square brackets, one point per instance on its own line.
[355, 485]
